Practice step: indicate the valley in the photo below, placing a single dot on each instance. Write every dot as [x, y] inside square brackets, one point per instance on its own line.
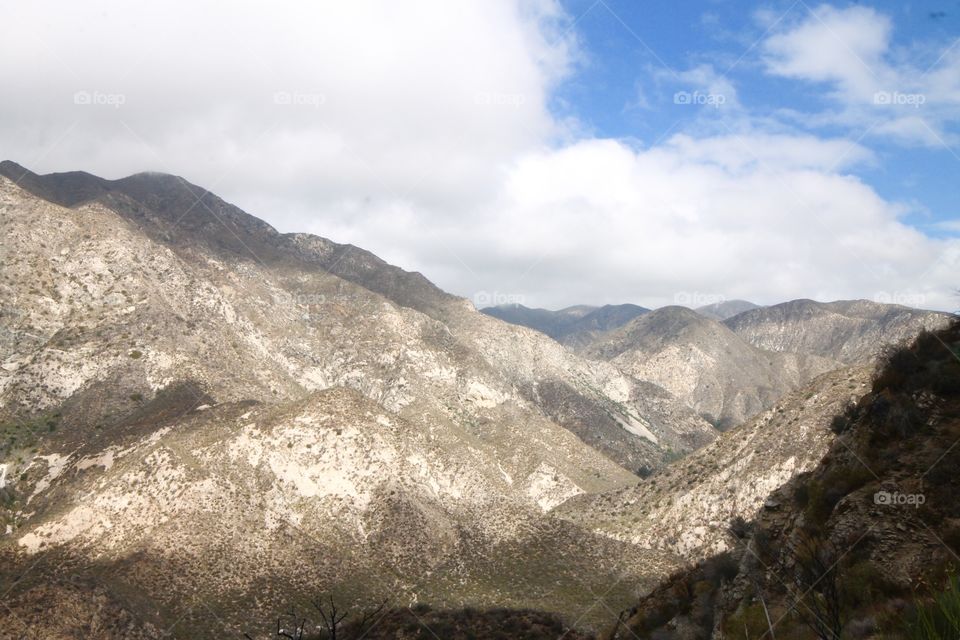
[205, 421]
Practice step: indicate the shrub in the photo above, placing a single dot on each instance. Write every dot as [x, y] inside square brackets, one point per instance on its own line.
[740, 528]
[748, 619]
[936, 618]
[833, 487]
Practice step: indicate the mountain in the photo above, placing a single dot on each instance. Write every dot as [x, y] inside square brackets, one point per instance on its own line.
[202, 419]
[705, 364]
[687, 507]
[573, 326]
[849, 331]
[864, 545]
[726, 309]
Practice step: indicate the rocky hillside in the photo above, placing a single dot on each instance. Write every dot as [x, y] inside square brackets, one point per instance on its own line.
[288, 313]
[575, 326]
[687, 507]
[705, 364]
[865, 545]
[849, 331]
[194, 407]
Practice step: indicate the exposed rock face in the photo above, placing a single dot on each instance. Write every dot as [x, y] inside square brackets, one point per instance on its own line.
[202, 419]
[705, 364]
[849, 331]
[195, 404]
[866, 544]
[687, 507]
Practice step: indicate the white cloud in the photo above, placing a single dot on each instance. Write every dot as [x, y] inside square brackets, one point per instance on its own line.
[421, 131]
[601, 222]
[842, 46]
[385, 90]
[871, 83]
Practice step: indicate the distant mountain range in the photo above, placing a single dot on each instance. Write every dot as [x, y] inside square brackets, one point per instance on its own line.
[573, 326]
[731, 360]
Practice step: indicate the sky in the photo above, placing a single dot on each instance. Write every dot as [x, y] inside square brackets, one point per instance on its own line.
[545, 152]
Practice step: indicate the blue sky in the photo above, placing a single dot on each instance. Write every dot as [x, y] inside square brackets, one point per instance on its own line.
[548, 152]
[625, 82]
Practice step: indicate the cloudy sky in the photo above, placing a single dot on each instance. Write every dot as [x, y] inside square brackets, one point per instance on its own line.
[548, 152]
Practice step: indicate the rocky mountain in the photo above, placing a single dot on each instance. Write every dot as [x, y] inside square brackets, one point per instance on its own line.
[687, 507]
[203, 418]
[574, 326]
[705, 364]
[849, 331]
[864, 545]
[725, 309]
[730, 360]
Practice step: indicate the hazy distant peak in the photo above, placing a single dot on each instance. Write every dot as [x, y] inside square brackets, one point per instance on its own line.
[726, 309]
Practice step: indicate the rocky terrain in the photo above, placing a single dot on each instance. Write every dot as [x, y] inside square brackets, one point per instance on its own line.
[849, 331]
[705, 364]
[195, 408]
[864, 545]
[687, 507]
[731, 360]
[204, 422]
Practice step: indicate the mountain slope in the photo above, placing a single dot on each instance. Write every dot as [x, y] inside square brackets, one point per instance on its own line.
[705, 364]
[687, 507]
[305, 278]
[173, 395]
[850, 331]
[865, 545]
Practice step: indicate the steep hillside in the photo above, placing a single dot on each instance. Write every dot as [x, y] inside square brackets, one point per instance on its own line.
[290, 297]
[687, 507]
[193, 407]
[850, 331]
[247, 509]
[866, 545]
[706, 365]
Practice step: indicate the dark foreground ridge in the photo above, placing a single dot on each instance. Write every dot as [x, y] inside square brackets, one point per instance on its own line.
[864, 546]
